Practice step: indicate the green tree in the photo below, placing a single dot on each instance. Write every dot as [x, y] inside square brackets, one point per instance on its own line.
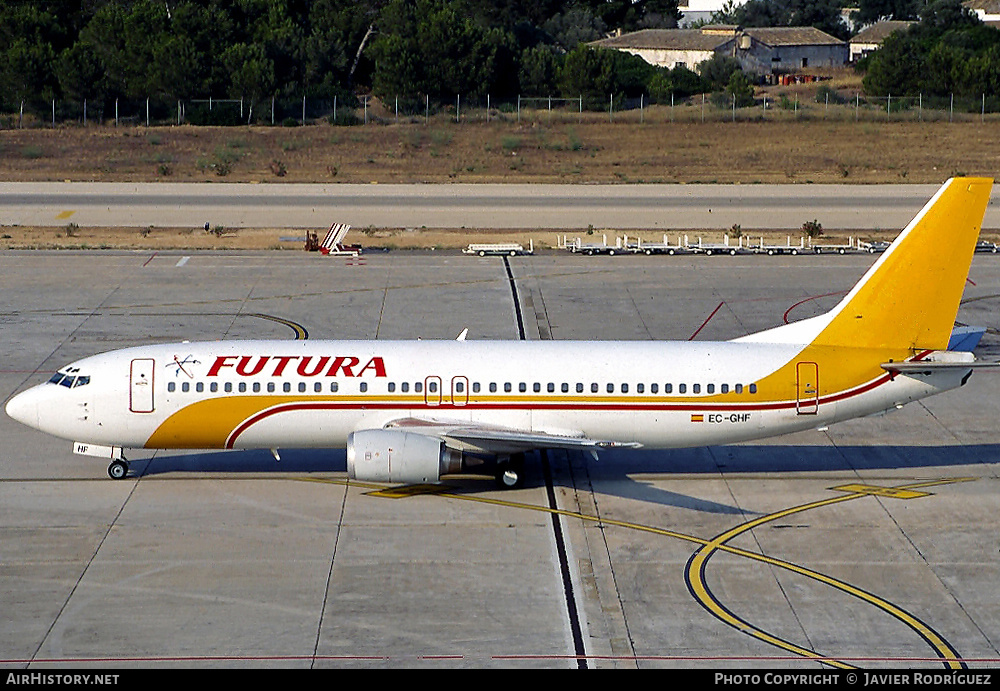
[945, 53]
[871, 11]
[251, 73]
[539, 70]
[433, 47]
[30, 39]
[680, 82]
[824, 15]
[740, 89]
[717, 70]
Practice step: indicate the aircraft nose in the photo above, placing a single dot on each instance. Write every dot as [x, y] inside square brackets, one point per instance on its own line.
[24, 407]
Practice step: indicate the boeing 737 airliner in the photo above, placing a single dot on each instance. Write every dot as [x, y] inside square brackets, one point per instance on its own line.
[412, 411]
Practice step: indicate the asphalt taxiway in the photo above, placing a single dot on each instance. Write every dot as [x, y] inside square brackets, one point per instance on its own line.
[871, 544]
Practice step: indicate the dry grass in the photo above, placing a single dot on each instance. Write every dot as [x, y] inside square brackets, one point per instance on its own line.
[781, 148]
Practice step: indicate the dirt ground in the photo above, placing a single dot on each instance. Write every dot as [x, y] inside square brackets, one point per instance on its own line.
[156, 239]
[812, 143]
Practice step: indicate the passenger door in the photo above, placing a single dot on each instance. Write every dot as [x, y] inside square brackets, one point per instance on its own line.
[141, 385]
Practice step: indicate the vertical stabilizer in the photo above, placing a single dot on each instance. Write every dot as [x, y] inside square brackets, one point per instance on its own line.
[909, 298]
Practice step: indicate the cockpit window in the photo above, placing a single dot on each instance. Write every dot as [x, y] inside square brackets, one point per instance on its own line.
[69, 381]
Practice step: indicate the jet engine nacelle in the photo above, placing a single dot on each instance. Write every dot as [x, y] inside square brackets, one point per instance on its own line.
[380, 455]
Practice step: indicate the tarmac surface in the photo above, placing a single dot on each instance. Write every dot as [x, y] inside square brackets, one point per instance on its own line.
[872, 544]
[491, 206]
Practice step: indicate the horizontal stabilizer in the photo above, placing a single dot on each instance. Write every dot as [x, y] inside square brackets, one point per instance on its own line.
[922, 366]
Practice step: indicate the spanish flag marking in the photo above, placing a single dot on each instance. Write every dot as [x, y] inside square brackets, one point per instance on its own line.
[697, 417]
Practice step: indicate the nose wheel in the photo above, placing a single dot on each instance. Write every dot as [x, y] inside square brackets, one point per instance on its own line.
[118, 469]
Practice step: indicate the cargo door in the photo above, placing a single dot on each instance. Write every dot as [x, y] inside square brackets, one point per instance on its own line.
[141, 386]
[807, 388]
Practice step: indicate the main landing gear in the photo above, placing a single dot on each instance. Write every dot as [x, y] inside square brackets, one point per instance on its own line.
[510, 471]
[118, 469]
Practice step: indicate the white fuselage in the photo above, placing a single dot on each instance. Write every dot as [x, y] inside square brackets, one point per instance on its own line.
[270, 394]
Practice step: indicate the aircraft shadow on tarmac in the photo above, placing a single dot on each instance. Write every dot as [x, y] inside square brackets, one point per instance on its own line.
[626, 474]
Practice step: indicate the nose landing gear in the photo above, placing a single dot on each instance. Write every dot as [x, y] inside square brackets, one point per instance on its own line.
[118, 469]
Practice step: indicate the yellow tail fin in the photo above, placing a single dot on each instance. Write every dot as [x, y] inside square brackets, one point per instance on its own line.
[910, 296]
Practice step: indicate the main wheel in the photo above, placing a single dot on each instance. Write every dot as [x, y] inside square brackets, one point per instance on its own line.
[510, 473]
[117, 470]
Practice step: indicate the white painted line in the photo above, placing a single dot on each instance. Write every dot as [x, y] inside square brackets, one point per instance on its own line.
[182, 261]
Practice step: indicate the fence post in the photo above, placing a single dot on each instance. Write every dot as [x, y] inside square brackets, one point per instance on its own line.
[951, 108]
[84, 112]
[888, 107]
[519, 108]
[116, 112]
[53, 112]
[458, 108]
[857, 105]
[611, 107]
[147, 112]
[920, 106]
[982, 113]
[427, 107]
[303, 110]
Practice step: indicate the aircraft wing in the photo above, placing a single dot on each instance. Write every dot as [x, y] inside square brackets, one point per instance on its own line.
[496, 439]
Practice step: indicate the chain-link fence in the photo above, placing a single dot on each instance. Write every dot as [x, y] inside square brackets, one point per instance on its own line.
[769, 105]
